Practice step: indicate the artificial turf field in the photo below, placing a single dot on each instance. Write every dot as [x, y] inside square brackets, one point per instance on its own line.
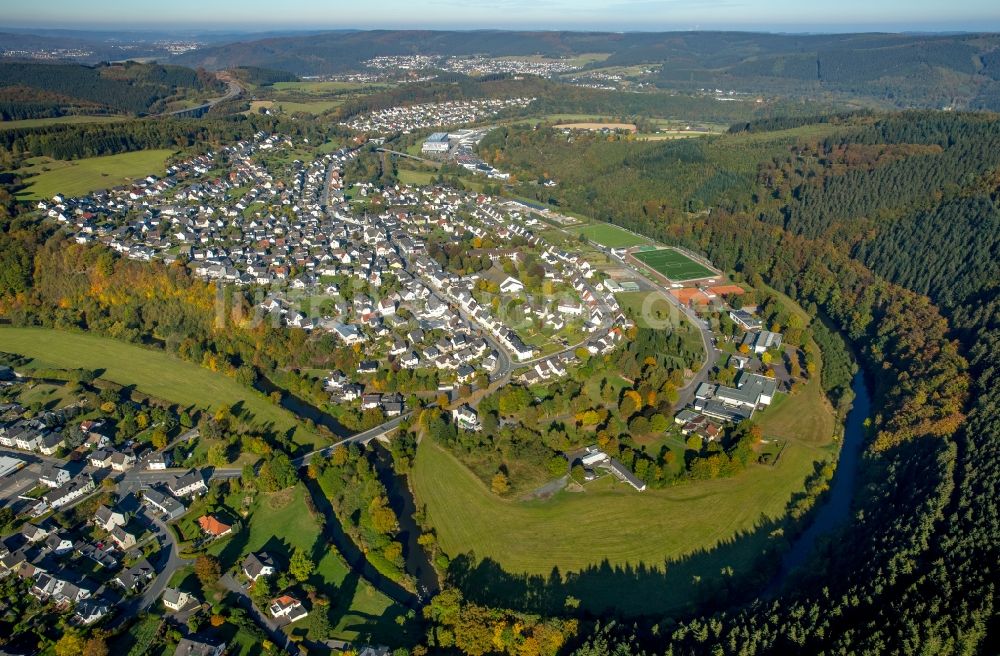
[673, 264]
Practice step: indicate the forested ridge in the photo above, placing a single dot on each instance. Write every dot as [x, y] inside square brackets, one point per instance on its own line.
[129, 88]
[916, 572]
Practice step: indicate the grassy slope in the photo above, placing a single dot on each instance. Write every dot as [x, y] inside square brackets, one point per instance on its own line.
[805, 414]
[153, 372]
[78, 177]
[575, 530]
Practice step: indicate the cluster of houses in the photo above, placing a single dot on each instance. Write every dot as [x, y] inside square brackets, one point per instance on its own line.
[408, 118]
[295, 234]
[716, 404]
[53, 560]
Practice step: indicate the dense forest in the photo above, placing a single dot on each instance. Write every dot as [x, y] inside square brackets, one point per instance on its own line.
[129, 88]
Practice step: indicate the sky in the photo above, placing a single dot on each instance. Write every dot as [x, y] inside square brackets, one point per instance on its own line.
[610, 15]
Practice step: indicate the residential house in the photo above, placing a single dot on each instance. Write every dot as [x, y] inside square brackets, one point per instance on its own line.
[125, 539]
[196, 646]
[288, 608]
[75, 489]
[213, 527]
[51, 443]
[258, 564]
[466, 418]
[53, 476]
[176, 599]
[162, 503]
[136, 577]
[122, 461]
[191, 483]
[159, 461]
[89, 611]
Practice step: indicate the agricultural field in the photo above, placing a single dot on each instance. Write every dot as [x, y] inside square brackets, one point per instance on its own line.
[610, 235]
[674, 265]
[310, 107]
[47, 177]
[152, 372]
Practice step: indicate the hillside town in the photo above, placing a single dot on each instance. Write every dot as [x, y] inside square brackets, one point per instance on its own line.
[318, 257]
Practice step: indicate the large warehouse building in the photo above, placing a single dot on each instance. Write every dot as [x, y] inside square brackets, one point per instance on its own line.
[436, 143]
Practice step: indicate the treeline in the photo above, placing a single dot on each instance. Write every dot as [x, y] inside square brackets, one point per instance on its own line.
[93, 139]
[262, 76]
[785, 122]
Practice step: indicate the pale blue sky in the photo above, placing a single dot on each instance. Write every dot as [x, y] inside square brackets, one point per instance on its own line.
[646, 15]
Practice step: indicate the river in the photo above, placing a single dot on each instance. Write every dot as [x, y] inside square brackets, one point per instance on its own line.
[418, 565]
[836, 508]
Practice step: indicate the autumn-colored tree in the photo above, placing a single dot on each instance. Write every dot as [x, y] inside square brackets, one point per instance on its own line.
[300, 566]
[71, 644]
[96, 646]
[158, 438]
[500, 483]
[217, 620]
[208, 570]
[384, 520]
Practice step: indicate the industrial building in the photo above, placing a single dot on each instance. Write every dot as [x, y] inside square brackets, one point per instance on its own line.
[436, 143]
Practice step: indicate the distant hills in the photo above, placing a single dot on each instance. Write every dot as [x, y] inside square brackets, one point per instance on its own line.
[891, 69]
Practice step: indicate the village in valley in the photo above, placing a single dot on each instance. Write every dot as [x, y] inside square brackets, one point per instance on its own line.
[451, 293]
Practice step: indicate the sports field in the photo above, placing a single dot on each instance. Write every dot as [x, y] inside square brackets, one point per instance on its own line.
[610, 235]
[674, 265]
[81, 176]
[153, 372]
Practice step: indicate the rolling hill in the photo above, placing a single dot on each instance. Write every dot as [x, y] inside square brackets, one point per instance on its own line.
[890, 69]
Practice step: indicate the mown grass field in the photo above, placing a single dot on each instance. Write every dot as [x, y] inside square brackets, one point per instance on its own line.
[610, 235]
[153, 372]
[325, 87]
[574, 530]
[804, 415]
[311, 107]
[58, 120]
[410, 177]
[674, 265]
[77, 177]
